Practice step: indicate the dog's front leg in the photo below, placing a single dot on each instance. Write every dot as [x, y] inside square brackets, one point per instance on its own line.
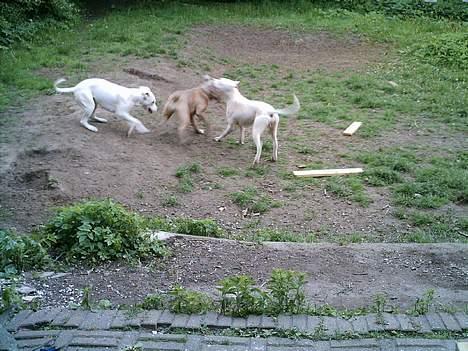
[242, 135]
[228, 130]
[133, 123]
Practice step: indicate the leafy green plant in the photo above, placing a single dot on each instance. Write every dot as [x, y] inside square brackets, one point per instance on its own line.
[286, 292]
[239, 296]
[170, 201]
[20, 252]
[100, 231]
[423, 304]
[189, 301]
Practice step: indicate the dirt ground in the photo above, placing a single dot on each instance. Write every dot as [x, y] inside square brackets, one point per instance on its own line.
[343, 276]
[51, 160]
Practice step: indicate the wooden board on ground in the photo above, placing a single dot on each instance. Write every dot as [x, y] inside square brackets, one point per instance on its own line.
[327, 172]
[353, 127]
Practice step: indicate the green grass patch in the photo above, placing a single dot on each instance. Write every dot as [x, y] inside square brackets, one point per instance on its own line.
[185, 174]
[254, 200]
[228, 171]
[349, 187]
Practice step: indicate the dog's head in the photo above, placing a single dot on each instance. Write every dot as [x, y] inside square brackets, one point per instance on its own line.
[148, 100]
[219, 87]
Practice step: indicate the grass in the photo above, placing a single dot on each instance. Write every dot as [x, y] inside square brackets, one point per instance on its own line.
[185, 174]
[351, 188]
[254, 200]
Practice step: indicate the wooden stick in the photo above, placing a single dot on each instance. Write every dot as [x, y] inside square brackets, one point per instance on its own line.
[353, 127]
[327, 172]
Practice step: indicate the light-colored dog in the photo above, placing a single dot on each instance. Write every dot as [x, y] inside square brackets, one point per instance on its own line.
[188, 105]
[114, 98]
[245, 113]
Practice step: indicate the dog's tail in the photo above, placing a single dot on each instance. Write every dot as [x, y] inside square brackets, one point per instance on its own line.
[290, 110]
[62, 90]
[169, 108]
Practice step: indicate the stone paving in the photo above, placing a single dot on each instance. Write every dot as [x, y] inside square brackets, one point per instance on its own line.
[114, 330]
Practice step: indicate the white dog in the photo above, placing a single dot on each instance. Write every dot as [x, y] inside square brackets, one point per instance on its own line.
[244, 113]
[112, 97]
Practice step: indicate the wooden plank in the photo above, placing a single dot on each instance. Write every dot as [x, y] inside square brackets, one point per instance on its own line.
[327, 172]
[352, 128]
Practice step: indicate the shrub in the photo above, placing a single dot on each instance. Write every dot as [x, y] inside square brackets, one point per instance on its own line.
[153, 302]
[20, 252]
[448, 49]
[21, 19]
[99, 231]
[189, 301]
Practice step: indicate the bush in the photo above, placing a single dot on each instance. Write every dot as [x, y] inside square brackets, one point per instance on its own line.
[100, 231]
[451, 9]
[20, 253]
[21, 19]
[239, 296]
[448, 49]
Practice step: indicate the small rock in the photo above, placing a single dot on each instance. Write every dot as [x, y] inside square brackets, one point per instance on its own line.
[30, 298]
[45, 275]
[25, 290]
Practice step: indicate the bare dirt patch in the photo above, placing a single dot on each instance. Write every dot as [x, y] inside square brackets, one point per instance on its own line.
[283, 48]
[344, 276]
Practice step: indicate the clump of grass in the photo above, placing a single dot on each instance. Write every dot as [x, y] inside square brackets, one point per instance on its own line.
[228, 171]
[185, 173]
[252, 199]
[382, 176]
[200, 227]
[279, 235]
[170, 201]
[349, 188]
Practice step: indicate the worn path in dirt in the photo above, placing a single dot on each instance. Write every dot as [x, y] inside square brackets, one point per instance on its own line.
[344, 276]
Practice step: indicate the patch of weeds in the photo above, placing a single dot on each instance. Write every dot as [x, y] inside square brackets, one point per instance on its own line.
[170, 201]
[185, 173]
[239, 296]
[189, 301]
[140, 195]
[252, 199]
[351, 238]
[11, 300]
[20, 252]
[86, 302]
[349, 188]
[228, 171]
[100, 231]
[423, 304]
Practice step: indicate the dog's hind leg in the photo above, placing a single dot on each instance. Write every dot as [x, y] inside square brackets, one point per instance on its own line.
[258, 143]
[274, 135]
[86, 101]
[193, 121]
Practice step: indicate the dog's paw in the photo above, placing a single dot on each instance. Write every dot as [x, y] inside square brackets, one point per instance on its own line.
[217, 139]
[201, 131]
[93, 129]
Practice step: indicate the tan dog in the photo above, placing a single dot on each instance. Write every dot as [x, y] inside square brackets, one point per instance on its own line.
[189, 105]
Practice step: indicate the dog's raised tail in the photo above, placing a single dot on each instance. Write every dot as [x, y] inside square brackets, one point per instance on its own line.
[291, 110]
[62, 90]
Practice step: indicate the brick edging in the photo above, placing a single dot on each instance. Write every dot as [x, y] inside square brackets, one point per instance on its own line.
[153, 319]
